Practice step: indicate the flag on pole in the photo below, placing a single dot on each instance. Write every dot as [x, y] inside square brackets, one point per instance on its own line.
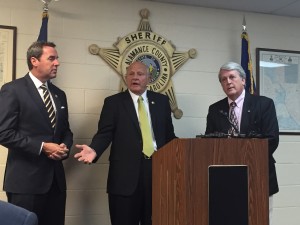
[43, 36]
[246, 61]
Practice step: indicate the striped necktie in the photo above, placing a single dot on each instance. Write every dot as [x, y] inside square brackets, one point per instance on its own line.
[148, 147]
[49, 105]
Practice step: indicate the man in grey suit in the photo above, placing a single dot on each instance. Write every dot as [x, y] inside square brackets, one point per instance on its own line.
[129, 183]
[37, 143]
[14, 215]
[256, 115]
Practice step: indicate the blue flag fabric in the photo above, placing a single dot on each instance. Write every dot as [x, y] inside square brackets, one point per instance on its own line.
[43, 36]
[246, 63]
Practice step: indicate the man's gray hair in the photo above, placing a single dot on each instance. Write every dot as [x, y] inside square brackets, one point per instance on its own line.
[233, 66]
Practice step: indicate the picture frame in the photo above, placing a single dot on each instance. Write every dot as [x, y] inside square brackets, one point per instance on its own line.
[8, 40]
[278, 77]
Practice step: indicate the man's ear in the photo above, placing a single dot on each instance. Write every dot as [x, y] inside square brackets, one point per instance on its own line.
[244, 80]
[33, 61]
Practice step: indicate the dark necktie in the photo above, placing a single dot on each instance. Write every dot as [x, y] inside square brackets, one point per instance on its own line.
[233, 119]
[148, 147]
[49, 105]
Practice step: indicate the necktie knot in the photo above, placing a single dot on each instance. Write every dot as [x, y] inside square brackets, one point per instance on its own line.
[43, 87]
[140, 100]
[232, 104]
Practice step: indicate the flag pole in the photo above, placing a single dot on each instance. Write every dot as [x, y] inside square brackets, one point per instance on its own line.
[246, 61]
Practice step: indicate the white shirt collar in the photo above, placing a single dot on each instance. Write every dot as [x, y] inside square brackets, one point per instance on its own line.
[136, 97]
[239, 101]
[36, 81]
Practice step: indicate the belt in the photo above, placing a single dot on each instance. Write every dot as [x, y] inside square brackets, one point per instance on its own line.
[146, 157]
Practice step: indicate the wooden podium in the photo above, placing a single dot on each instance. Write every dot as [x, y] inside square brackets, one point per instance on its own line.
[181, 179]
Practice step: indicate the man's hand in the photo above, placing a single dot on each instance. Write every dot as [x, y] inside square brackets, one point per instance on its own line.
[55, 151]
[86, 154]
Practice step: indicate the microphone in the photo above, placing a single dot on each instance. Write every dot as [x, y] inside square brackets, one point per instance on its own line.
[213, 135]
[251, 134]
[225, 114]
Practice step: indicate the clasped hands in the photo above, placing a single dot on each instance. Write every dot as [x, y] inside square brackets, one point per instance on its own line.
[55, 151]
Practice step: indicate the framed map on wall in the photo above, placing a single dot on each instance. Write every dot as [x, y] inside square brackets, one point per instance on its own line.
[278, 77]
[7, 53]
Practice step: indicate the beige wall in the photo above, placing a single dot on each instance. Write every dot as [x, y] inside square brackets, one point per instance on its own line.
[87, 80]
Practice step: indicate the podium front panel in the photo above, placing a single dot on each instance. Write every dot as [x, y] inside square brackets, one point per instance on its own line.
[180, 178]
[228, 195]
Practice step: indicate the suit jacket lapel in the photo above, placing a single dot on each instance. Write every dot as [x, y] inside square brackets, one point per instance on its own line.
[246, 114]
[152, 109]
[224, 106]
[36, 98]
[55, 98]
[58, 105]
[129, 107]
[223, 114]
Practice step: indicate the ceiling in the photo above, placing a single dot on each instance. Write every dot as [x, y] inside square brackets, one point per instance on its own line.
[289, 8]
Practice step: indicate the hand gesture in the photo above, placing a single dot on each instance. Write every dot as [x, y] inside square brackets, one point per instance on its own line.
[86, 154]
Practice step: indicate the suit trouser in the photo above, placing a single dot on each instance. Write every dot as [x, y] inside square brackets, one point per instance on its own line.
[49, 207]
[137, 208]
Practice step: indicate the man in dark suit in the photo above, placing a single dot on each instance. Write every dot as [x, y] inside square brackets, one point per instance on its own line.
[129, 184]
[15, 215]
[34, 176]
[256, 115]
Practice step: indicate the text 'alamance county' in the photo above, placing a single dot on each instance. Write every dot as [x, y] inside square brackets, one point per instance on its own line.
[145, 36]
[145, 49]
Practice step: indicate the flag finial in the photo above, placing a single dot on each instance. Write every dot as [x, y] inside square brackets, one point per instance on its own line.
[46, 4]
[244, 24]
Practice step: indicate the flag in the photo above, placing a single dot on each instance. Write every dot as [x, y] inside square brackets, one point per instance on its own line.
[43, 36]
[246, 62]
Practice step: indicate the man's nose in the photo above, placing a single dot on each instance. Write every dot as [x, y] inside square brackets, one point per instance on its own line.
[228, 80]
[56, 62]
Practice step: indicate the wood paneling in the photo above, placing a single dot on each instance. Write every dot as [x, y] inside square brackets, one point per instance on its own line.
[180, 178]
